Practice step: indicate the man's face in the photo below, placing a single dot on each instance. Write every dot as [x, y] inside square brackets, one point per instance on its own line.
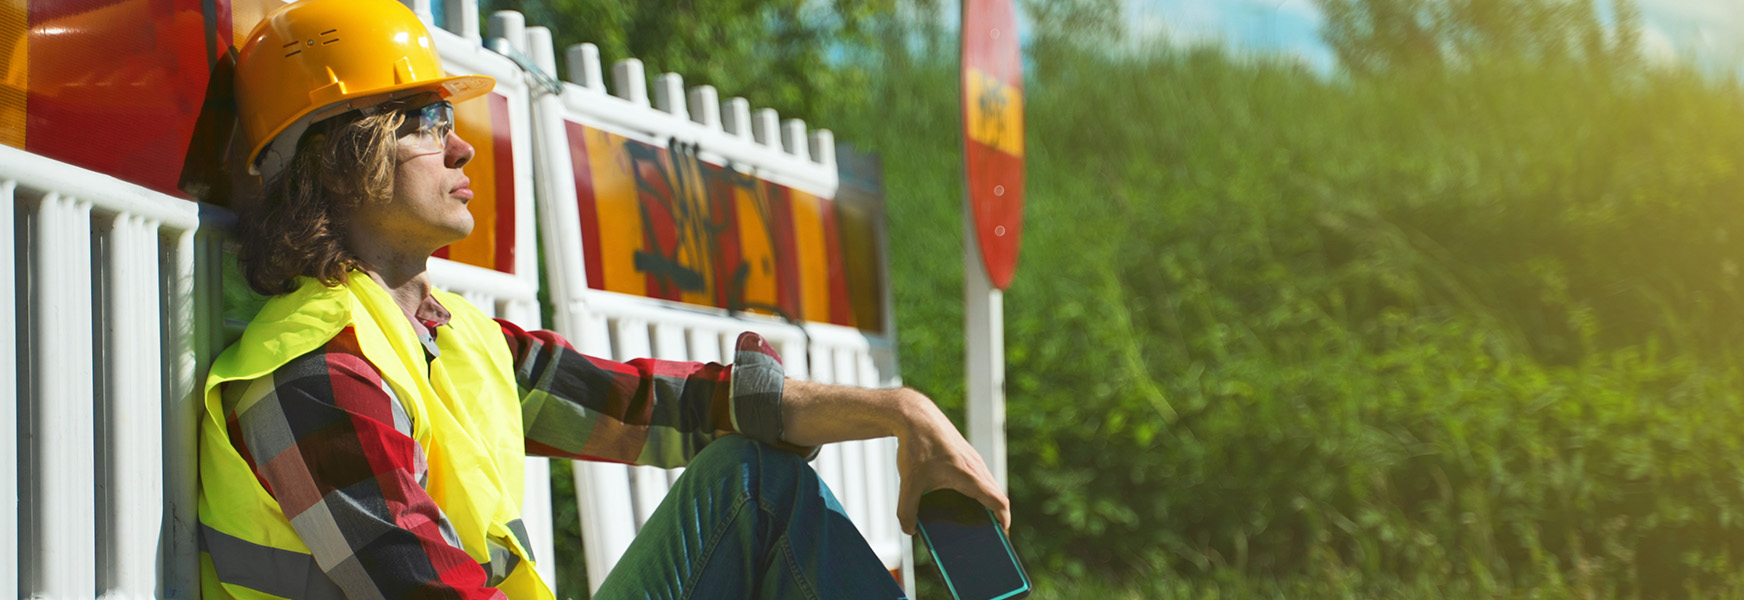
[428, 208]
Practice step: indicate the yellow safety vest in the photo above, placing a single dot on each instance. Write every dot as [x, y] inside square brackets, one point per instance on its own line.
[465, 412]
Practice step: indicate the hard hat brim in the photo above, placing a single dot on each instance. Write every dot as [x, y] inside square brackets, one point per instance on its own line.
[455, 89]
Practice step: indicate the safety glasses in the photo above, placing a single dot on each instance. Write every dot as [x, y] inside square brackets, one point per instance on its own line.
[426, 128]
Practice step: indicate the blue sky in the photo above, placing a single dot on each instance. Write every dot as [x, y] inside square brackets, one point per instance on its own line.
[1711, 31]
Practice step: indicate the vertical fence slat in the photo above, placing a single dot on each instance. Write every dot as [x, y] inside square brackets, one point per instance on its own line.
[671, 342]
[829, 459]
[822, 363]
[881, 503]
[181, 413]
[63, 539]
[536, 516]
[853, 490]
[883, 530]
[8, 391]
[792, 350]
[649, 486]
[106, 233]
[854, 468]
[634, 338]
[136, 423]
[829, 467]
[601, 489]
[603, 492]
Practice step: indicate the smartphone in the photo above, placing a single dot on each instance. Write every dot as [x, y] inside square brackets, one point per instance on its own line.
[970, 549]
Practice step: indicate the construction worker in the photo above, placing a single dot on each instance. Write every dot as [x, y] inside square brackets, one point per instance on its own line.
[365, 436]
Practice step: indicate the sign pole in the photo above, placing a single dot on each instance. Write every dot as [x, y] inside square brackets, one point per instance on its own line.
[992, 96]
[984, 345]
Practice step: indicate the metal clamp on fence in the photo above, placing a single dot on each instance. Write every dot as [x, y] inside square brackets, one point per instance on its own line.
[545, 80]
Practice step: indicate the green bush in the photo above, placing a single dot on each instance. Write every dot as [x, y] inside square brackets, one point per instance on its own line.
[1286, 335]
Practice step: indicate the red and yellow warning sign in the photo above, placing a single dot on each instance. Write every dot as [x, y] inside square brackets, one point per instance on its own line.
[659, 222]
[992, 80]
[113, 86]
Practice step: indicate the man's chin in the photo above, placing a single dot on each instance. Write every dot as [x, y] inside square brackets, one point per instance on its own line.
[459, 233]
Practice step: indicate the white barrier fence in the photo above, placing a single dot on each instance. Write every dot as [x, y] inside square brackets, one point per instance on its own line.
[116, 316]
[111, 311]
[119, 313]
[861, 474]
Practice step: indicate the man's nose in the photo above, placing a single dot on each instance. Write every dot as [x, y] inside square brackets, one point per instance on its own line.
[458, 152]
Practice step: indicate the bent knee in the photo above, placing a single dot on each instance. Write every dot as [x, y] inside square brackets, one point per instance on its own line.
[736, 451]
[727, 451]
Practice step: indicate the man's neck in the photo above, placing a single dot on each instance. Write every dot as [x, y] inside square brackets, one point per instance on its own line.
[407, 291]
[403, 274]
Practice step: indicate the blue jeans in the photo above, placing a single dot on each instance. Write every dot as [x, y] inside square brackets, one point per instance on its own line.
[749, 521]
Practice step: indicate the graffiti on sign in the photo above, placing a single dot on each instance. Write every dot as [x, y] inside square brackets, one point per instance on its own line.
[661, 222]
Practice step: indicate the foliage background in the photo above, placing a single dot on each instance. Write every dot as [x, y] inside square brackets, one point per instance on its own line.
[1459, 320]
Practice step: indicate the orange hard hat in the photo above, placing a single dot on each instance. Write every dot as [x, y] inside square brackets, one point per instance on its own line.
[315, 59]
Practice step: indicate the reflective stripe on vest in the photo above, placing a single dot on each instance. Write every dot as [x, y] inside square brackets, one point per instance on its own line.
[267, 569]
[465, 412]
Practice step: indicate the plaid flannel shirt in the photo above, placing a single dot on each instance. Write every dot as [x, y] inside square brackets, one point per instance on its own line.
[331, 441]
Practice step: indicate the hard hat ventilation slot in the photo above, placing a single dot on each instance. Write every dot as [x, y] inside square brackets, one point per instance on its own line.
[329, 32]
[292, 52]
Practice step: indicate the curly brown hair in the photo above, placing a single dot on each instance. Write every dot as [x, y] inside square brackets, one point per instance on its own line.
[297, 228]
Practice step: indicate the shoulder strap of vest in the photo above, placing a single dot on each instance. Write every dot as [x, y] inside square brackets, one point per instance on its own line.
[288, 326]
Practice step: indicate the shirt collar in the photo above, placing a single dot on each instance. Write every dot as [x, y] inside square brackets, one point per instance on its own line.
[429, 316]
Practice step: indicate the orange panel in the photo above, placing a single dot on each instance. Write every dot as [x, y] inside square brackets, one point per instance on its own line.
[814, 266]
[620, 219]
[14, 87]
[473, 123]
[758, 250]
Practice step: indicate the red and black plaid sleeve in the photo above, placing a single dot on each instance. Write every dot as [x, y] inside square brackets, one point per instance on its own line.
[328, 439]
[645, 411]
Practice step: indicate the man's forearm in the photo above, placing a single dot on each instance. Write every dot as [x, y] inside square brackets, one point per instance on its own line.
[815, 414]
[931, 453]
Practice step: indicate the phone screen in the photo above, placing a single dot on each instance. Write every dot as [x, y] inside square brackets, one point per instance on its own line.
[970, 548]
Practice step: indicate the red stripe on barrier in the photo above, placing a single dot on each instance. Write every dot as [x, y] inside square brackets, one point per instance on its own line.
[841, 306]
[503, 146]
[586, 204]
[728, 257]
[786, 250]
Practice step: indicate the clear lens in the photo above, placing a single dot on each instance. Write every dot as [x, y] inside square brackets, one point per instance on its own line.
[426, 129]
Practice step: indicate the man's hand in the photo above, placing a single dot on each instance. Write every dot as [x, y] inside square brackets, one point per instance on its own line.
[930, 453]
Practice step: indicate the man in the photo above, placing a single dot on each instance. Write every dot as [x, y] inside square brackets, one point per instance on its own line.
[365, 436]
